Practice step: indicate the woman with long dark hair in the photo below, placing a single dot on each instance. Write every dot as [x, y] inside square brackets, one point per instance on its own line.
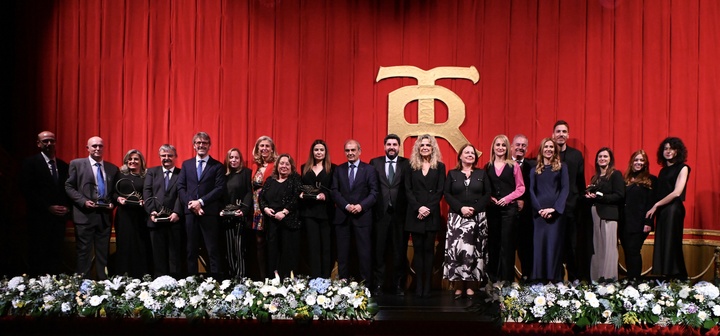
[668, 258]
[639, 198]
[238, 200]
[316, 207]
[606, 192]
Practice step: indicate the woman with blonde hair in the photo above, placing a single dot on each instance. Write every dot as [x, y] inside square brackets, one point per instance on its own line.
[134, 253]
[506, 181]
[264, 155]
[424, 189]
[238, 200]
[549, 188]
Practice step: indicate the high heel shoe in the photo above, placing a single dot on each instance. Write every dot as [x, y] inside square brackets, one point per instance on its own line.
[458, 294]
[470, 293]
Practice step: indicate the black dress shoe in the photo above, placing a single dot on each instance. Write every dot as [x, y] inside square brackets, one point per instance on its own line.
[399, 291]
[377, 291]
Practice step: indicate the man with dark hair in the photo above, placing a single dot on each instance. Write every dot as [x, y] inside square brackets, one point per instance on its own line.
[389, 216]
[573, 158]
[90, 184]
[43, 182]
[201, 187]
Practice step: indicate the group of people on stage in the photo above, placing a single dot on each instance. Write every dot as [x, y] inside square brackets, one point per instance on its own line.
[510, 203]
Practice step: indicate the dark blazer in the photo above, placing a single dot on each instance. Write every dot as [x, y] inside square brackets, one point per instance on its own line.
[80, 185]
[364, 192]
[155, 196]
[210, 187]
[526, 166]
[40, 189]
[575, 164]
[424, 191]
[475, 195]
[388, 192]
[238, 187]
[613, 189]
[312, 208]
[638, 201]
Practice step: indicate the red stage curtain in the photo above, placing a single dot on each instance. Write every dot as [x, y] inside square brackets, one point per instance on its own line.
[140, 73]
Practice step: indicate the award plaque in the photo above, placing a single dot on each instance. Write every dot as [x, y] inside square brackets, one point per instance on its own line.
[230, 209]
[162, 213]
[126, 188]
[311, 192]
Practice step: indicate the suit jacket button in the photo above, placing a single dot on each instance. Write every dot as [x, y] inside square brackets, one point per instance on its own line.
[431, 191]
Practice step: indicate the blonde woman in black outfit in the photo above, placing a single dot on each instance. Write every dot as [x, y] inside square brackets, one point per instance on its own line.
[238, 200]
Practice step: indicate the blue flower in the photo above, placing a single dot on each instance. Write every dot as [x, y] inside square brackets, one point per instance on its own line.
[320, 285]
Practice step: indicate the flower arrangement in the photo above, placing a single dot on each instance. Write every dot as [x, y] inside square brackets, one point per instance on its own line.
[619, 303]
[192, 297]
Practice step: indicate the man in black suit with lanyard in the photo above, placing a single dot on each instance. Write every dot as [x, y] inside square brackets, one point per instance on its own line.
[163, 205]
[389, 212]
[90, 184]
[575, 263]
[354, 190]
[43, 183]
[201, 187]
[525, 238]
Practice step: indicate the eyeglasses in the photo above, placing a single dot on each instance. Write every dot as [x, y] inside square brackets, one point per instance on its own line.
[202, 142]
[97, 146]
[47, 141]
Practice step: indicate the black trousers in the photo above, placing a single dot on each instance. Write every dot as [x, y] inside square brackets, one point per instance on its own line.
[423, 247]
[632, 243]
[93, 236]
[502, 227]
[319, 246]
[168, 248]
[390, 238]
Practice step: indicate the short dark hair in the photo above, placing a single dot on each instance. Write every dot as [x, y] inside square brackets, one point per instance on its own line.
[561, 122]
[391, 136]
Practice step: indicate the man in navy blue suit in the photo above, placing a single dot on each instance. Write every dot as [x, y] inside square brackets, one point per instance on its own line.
[354, 189]
[201, 186]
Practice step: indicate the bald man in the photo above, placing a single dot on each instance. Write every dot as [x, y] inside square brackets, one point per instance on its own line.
[43, 178]
[91, 181]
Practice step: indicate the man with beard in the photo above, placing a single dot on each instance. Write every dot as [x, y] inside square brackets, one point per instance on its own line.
[525, 240]
[43, 182]
[201, 186]
[354, 190]
[575, 263]
[163, 204]
[389, 216]
[91, 181]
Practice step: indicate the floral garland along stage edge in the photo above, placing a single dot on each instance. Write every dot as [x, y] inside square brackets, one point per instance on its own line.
[193, 297]
[621, 303]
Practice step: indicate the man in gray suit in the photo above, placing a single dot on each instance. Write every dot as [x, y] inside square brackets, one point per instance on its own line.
[90, 183]
[389, 223]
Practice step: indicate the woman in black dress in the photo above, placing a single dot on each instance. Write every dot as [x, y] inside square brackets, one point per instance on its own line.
[467, 191]
[238, 200]
[316, 207]
[506, 181]
[134, 254]
[668, 259]
[606, 193]
[424, 188]
[639, 199]
[279, 202]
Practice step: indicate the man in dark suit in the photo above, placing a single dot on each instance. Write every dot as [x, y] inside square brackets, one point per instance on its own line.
[90, 183]
[389, 212]
[525, 236]
[163, 204]
[354, 190]
[43, 183]
[577, 262]
[201, 187]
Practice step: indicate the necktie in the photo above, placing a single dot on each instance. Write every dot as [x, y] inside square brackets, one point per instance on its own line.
[200, 168]
[167, 179]
[351, 175]
[100, 181]
[391, 171]
[54, 170]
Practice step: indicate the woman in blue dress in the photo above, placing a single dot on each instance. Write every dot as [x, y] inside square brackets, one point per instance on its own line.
[549, 187]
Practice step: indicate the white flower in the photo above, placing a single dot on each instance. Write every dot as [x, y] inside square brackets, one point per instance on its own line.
[602, 290]
[577, 304]
[194, 300]
[699, 297]
[540, 301]
[96, 300]
[180, 303]
[631, 292]
[272, 308]
[182, 282]
[716, 310]
[702, 315]
[163, 282]
[21, 287]
[65, 307]
[310, 300]
[607, 314]
[707, 289]
[684, 292]
[249, 298]
[144, 295]
[14, 282]
[643, 287]
[356, 301]
[594, 303]
[590, 296]
[513, 294]
[656, 309]
[563, 303]
[353, 285]
[322, 299]
[230, 298]
[48, 298]
[610, 288]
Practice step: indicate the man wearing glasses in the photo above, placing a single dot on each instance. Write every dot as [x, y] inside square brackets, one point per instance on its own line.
[90, 183]
[201, 185]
